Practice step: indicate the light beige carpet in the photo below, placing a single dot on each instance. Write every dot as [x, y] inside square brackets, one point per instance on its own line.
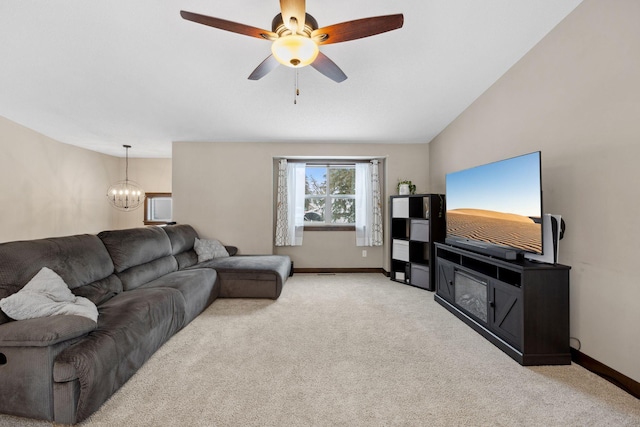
[350, 350]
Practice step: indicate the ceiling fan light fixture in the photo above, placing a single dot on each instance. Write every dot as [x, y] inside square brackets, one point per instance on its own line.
[295, 50]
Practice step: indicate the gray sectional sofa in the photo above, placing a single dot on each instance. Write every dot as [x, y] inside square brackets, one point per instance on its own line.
[147, 285]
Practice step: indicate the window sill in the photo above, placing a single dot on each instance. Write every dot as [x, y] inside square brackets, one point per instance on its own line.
[169, 222]
[329, 228]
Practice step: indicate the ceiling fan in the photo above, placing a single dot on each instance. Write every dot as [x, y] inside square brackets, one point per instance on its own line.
[296, 37]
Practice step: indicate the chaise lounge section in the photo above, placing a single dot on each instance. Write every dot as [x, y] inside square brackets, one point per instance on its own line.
[240, 276]
[146, 288]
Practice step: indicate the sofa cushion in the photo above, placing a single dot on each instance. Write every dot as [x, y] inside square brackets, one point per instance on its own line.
[78, 260]
[209, 249]
[198, 287]
[131, 327]
[139, 255]
[135, 246]
[181, 236]
[100, 291]
[250, 276]
[186, 259]
[141, 274]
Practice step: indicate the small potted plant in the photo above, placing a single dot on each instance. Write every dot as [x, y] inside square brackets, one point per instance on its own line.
[405, 187]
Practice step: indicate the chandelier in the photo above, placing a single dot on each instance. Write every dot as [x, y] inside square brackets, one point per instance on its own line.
[126, 195]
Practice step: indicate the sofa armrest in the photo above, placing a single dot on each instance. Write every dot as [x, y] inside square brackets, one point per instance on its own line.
[28, 349]
[44, 331]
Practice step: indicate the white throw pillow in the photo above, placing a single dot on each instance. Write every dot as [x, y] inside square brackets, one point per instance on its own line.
[209, 249]
[45, 295]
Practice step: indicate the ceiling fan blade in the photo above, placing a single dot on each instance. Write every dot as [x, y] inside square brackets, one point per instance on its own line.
[328, 68]
[293, 9]
[357, 29]
[234, 27]
[264, 68]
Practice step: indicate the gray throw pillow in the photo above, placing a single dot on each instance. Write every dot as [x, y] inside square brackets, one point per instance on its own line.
[209, 249]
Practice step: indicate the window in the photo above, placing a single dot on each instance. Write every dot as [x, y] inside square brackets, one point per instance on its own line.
[157, 208]
[330, 195]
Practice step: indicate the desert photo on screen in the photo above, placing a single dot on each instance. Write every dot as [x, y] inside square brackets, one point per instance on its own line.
[495, 227]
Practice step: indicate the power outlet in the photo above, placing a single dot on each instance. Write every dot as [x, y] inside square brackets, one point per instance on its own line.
[364, 253]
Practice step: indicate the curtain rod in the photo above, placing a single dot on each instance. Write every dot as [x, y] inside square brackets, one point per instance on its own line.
[331, 158]
[328, 161]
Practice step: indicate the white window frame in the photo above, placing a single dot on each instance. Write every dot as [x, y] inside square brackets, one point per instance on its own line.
[330, 197]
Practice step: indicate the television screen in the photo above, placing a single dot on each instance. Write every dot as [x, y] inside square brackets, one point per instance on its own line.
[497, 204]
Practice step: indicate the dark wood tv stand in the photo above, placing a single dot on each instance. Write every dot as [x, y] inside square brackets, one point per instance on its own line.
[520, 306]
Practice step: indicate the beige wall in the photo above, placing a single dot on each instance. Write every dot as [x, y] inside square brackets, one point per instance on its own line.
[49, 188]
[575, 97]
[53, 189]
[226, 191]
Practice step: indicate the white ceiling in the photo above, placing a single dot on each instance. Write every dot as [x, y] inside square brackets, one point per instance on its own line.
[100, 74]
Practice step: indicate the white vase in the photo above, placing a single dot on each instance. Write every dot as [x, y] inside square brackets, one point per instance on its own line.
[404, 189]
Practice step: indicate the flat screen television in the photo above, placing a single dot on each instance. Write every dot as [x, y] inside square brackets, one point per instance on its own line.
[496, 208]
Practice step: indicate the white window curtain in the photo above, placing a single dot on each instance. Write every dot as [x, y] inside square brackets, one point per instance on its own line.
[290, 208]
[368, 205]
